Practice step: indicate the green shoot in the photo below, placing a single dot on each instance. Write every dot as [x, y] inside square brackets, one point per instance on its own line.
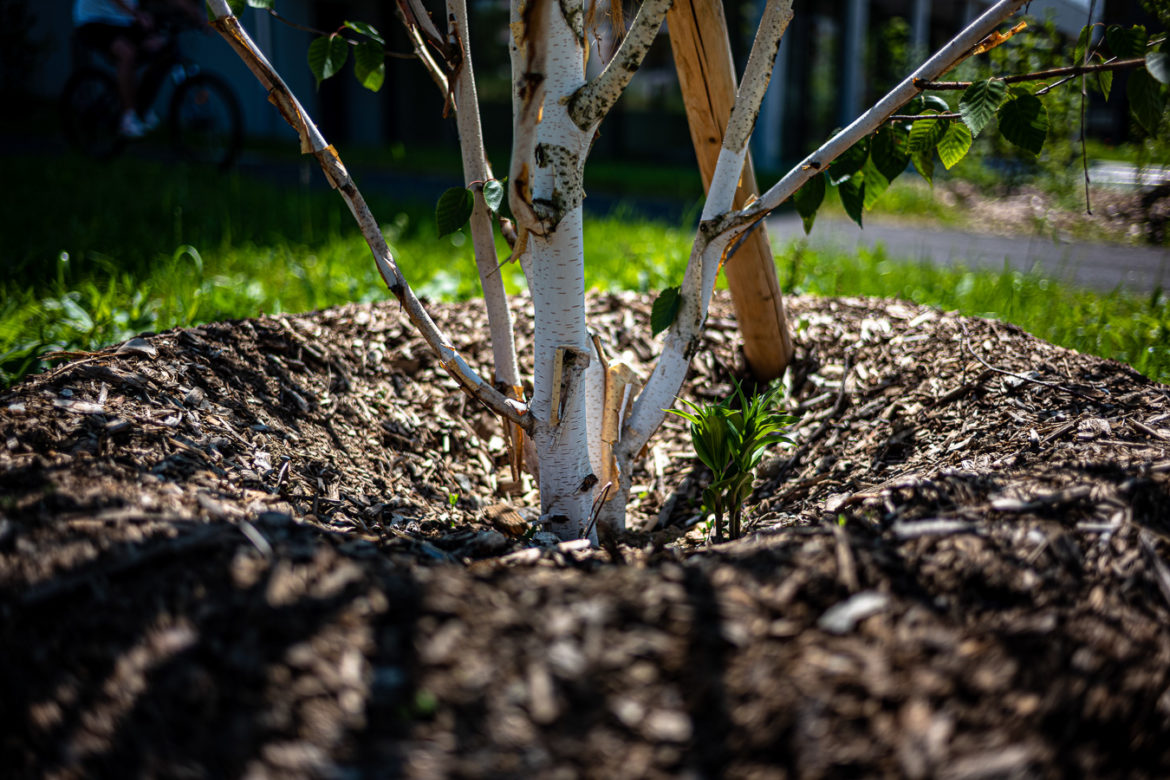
[730, 439]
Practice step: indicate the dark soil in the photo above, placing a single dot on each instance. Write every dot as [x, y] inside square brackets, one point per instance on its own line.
[279, 547]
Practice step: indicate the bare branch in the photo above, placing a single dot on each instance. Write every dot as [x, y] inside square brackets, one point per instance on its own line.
[709, 251]
[592, 102]
[954, 52]
[757, 74]
[415, 31]
[305, 28]
[313, 143]
[476, 169]
[748, 98]
[1040, 75]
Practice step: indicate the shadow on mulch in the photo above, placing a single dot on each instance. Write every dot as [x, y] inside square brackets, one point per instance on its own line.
[272, 547]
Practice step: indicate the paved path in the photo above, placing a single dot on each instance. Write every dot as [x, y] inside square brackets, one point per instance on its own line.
[1103, 267]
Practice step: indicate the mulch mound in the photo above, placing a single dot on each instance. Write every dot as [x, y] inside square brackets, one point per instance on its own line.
[277, 547]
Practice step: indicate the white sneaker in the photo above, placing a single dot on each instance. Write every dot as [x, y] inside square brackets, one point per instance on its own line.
[131, 126]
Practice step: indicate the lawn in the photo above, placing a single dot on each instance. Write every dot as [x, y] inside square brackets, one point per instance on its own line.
[98, 253]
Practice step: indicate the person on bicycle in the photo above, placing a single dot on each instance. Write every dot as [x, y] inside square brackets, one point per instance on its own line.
[124, 31]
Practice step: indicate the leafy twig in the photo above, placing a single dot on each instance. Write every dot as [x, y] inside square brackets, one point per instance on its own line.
[1071, 71]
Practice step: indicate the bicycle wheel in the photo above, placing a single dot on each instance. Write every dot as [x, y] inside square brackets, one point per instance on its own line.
[206, 123]
[90, 112]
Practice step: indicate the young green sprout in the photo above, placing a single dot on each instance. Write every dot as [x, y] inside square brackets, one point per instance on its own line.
[731, 442]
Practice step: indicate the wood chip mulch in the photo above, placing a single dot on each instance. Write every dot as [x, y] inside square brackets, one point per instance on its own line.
[283, 547]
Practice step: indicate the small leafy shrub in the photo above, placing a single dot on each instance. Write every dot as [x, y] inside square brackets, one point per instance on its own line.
[730, 438]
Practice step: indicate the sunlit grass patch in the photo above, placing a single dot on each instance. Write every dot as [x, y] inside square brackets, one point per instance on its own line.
[103, 252]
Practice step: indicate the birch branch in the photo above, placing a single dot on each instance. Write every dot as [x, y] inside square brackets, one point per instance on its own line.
[958, 49]
[417, 23]
[312, 142]
[476, 169]
[749, 96]
[1040, 75]
[682, 340]
[589, 104]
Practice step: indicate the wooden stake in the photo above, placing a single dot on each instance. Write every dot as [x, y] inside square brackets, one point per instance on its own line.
[706, 73]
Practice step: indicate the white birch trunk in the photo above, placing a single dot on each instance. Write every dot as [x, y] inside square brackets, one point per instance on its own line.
[568, 437]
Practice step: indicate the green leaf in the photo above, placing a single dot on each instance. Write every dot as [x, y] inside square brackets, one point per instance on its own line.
[1023, 120]
[369, 65]
[493, 194]
[1105, 82]
[849, 162]
[665, 310]
[808, 199]
[979, 103]
[875, 183]
[1145, 100]
[889, 153]
[1083, 41]
[366, 30]
[924, 164]
[936, 103]
[1158, 65]
[926, 133]
[265, 4]
[326, 56]
[1126, 43]
[852, 192]
[453, 210]
[955, 144]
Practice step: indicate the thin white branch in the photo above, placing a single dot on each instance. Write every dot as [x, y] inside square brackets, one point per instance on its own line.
[592, 102]
[954, 52]
[756, 75]
[749, 96]
[476, 169]
[682, 339]
[417, 24]
[312, 142]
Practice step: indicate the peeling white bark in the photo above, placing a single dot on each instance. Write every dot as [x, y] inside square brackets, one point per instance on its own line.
[546, 195]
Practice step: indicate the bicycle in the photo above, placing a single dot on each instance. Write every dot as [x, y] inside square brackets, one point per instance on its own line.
[203, 113]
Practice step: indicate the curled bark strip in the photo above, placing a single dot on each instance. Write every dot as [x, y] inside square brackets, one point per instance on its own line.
[229, 27]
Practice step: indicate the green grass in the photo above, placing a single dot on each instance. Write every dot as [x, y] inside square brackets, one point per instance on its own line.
[95, 254]
[98, 253]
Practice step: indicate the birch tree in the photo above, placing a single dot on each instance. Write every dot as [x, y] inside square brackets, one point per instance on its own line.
[587, 420]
